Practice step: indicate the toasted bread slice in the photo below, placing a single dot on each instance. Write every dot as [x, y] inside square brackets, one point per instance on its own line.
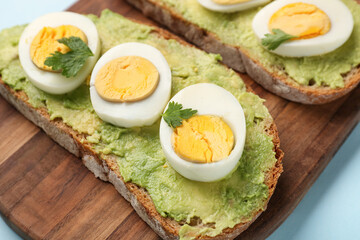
[107, 169]
[239, 59]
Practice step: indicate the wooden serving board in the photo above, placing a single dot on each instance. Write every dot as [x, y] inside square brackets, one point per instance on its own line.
[46, 192]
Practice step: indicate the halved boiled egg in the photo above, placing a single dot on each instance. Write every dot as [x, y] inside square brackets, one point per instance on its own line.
[231, 5]
[319, 26]
[207, 146]
[39, 40]
[130, 85]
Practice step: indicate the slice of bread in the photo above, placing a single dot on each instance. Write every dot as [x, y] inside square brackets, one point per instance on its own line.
[239, 59]
[108, 170]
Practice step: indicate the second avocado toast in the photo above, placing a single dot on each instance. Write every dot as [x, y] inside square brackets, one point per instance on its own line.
[309, 80]
[132, 158]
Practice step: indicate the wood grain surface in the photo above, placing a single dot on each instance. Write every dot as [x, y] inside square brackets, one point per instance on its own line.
[46, 192]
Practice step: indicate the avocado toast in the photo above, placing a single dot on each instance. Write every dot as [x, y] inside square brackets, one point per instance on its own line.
[111, 152]
[309, 80]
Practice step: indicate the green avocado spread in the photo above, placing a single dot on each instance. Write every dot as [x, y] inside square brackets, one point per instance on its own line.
[235, 29]
[138, 152]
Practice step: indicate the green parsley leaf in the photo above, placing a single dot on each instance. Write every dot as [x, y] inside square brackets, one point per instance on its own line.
[273, 41]
[71, 62]
[174, 114]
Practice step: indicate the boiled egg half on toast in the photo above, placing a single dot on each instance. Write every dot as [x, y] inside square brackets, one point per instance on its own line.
[318, 26]
[207, 146]
[130, 85]
[231, 5]
[39, 41]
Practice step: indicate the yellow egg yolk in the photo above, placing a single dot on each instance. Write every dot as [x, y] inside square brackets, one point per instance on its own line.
[228, 2]
[127, 79]
[203, 139]
[301, 19]
[45, 43]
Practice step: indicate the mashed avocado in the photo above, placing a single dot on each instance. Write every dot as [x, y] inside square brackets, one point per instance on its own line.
[235, 29]
[138, 152]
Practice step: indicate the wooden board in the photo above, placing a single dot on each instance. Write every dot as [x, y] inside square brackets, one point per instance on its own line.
[45, 192]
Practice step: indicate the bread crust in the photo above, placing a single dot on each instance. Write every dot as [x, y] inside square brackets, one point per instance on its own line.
[106, 168]
[239, 59]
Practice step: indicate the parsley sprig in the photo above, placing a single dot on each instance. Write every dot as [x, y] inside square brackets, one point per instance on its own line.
[71, 62]
[174, 114]
[273, 41]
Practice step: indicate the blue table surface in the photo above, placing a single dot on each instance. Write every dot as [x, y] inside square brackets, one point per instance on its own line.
[331, 208]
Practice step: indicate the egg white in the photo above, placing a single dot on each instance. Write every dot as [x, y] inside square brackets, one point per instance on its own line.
[207, 99]
[53, 82]
[342, 25]
[139, 113]
[209, 4]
